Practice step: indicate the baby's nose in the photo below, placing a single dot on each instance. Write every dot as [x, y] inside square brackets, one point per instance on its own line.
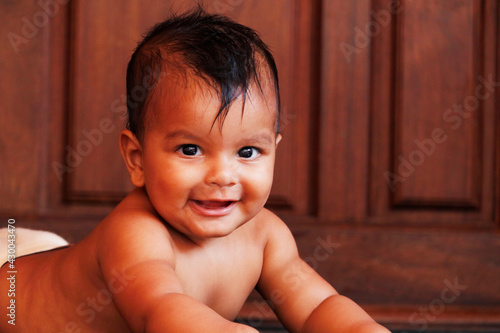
[222, 172]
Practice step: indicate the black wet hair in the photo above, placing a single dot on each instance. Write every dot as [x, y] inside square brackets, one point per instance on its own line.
[226, 55]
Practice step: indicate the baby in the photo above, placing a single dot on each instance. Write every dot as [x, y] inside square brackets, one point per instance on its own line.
[182, 252]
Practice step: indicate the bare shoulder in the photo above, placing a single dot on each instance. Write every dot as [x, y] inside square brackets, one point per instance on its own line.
[268, 221]
[135, 245]
[273, 228]
[133, 233]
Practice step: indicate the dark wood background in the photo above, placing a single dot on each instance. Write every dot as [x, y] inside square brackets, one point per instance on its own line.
[391, 138]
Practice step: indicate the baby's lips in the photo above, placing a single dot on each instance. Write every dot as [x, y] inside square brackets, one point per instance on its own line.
[214, 204]
[213, 208]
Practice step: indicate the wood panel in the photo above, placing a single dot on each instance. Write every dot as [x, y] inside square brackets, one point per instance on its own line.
[385, 266]
[344, 126]
[435, 109]
[98, 84]
[430, 62]
[24, 113]
[360, 267]
[104, 34]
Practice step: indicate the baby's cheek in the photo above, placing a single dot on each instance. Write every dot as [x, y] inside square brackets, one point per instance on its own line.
[260, 184]
[179, 176]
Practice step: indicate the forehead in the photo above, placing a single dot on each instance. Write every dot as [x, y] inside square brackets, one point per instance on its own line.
[183, 99]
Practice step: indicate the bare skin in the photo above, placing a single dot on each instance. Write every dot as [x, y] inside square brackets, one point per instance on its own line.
[71, 284]
[182, 252]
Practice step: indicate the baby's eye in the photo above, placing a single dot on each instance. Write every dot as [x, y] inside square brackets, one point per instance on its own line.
[249, 152]
[190, 150]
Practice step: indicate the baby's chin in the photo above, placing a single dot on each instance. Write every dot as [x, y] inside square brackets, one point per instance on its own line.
[214, 228]
[199, 228]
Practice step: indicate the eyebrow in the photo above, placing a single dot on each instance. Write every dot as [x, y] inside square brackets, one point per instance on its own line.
[263, 138]
[181, 134]
[260, 138]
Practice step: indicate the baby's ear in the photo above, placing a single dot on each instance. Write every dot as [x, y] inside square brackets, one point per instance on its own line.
[278, 139]
[131, 150]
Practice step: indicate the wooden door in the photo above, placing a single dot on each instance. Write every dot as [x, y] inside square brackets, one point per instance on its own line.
[408, 159]
[387, 175]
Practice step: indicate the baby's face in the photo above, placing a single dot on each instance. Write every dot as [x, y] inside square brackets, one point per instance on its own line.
[206, 182]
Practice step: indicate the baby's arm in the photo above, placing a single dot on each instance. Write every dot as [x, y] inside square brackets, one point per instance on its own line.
[344, 315]
[152, 298]
[302, 300]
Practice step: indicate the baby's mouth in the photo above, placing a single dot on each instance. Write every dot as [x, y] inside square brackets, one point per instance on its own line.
[213, 207]
[213, 204]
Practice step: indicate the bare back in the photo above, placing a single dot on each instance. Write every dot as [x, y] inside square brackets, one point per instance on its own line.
[61, 291]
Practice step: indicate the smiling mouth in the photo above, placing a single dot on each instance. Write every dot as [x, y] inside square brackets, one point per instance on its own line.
[213, 204]
[213, 207]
